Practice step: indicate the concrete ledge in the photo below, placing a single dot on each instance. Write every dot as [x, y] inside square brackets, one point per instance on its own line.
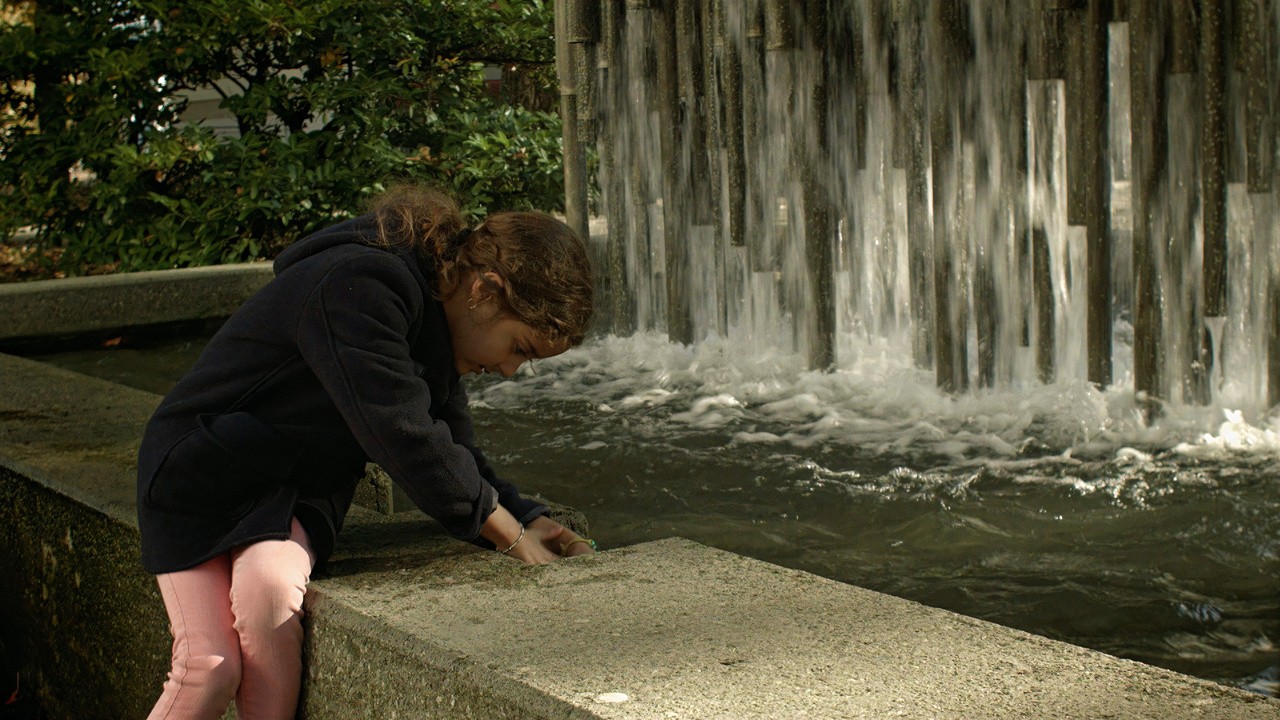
[683, 630]
[408, 623]
[361, 666]
[44, 308]
[90, 625]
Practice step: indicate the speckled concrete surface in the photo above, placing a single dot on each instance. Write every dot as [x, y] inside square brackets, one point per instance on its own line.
[85, 304]
[673, 629]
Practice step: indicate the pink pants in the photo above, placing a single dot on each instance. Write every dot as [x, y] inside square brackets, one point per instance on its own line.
[237, 632]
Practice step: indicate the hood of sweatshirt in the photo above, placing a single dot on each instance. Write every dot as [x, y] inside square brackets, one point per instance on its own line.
[362, 230]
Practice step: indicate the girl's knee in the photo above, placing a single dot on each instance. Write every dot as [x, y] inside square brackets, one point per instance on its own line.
[214, 676]
[265, 605]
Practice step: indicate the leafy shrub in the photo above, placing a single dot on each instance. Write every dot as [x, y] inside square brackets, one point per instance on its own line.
[333, 99]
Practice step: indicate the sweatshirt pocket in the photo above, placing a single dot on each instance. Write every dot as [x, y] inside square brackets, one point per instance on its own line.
[222, 467]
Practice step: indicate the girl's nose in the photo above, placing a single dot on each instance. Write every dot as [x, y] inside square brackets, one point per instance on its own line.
[509, 368]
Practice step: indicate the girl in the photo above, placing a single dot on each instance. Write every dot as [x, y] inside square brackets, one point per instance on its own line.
[354, 352]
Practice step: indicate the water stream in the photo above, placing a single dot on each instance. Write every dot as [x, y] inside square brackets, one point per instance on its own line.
[920, 165]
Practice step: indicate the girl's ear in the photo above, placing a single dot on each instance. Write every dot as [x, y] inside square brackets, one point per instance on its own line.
[477, 293]
[483, 285]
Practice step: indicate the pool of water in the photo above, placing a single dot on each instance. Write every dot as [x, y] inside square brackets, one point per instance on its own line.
[1053, 509]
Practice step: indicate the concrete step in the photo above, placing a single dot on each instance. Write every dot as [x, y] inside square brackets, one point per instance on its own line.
[674, 629]
[43, 308]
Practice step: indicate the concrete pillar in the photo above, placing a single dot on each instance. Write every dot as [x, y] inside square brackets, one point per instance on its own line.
[818, 223]
[675, 202]
[947, 62]
[1213, 149]
[1260, 97]
[919, 229]
[617, 209]
[1148, 62]
[735, 158]
[575, 159]
[1044, 304]
[753, 99]
[1096, 151]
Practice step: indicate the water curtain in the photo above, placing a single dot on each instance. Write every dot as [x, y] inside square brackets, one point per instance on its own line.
[1006, 192]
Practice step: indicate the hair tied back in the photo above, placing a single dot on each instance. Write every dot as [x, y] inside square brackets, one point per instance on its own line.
[455, 243]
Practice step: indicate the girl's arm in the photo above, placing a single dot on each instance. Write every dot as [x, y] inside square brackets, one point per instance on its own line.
[353, 333]
[458, 418]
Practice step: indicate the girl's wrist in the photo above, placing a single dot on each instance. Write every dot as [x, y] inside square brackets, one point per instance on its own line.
[502, 529]
[514, 543]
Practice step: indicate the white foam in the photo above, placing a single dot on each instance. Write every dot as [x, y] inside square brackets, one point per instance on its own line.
[756, 437]
[1235, 436]
[879, 403]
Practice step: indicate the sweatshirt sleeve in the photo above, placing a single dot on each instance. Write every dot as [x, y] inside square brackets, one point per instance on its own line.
[353, 333]
[457, 416]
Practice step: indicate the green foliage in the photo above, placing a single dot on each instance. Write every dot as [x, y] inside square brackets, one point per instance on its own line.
[505, 162]
[333, 99]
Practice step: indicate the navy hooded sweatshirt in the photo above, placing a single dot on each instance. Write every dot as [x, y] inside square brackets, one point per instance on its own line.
[344, 357]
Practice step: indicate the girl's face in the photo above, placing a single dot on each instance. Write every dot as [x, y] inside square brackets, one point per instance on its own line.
[487, 340]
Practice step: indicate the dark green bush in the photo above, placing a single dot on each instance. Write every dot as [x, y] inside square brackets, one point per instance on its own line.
[334, 100]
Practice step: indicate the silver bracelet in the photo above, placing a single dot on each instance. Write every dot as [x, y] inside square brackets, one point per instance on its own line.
[517, 542]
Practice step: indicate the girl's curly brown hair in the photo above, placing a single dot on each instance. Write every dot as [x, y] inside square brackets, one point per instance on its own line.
[548, 281]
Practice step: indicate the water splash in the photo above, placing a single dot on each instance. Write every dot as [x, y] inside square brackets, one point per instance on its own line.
[879, 404]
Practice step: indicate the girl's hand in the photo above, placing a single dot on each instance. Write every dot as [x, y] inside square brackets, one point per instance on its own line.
[557, 538]
[532, 550]
[544, 539]
[502, 529]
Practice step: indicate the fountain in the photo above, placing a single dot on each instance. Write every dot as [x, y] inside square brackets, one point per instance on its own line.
[1012, 190]
[946, 298]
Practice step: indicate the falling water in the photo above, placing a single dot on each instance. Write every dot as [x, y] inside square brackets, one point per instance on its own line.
[825, 177]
